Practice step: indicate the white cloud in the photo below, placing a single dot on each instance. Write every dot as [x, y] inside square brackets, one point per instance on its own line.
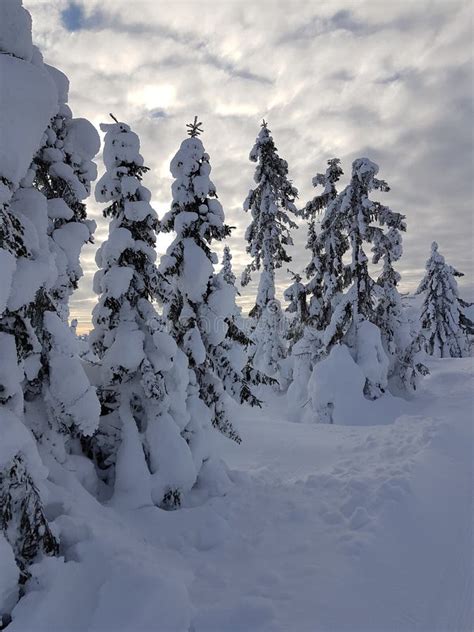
[389, 80]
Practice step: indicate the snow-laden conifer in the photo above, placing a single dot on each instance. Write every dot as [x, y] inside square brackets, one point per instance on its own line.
[150, 442]
[295, 295]
[22, 516]
[270, 349]
[402, 348]
[271, 203]
[34, 350]
[230, 355]
[326, 270]
[444, 325]
[200, 305]
[325, 280]
[63, 170]
[365, 224]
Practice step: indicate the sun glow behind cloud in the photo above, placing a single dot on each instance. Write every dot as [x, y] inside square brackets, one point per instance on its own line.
[152, 96]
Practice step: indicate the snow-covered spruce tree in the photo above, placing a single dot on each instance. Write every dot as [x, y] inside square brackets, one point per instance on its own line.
[199, 308]
[28, 271]
[270, 348]
[326, 271]
[402, 349]
[227, 271]
[63, 170]
[364, 222]
[236, 336]
[295, 295]
[22, 517]
[60, 172]
[231, 354]
[325, 275]
[444, 325]
[270, 203]
[150, 443]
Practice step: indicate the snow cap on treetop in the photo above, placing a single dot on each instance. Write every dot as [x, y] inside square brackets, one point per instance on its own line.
[364, 169]
[15, 30]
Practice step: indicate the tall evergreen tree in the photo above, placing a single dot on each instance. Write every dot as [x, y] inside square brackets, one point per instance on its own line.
[270, 203]
[444, 325]
[403, 350]
[326, 271]
[157, 452]
[22, 516]
[231, 354]
[37, 359]
[227, 271]
[270, 348]
[198, 306]
[359, 222]
[295, 295]
[63, 170]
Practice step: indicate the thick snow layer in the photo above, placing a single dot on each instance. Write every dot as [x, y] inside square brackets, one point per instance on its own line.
[29, 100]
[7, 269]
[82, 138]
[58, 209]
[336, 394]
[116, 281]
[9, 576]
[60, 81]
[123, 146]
[197, 270]
[31, 205]
[126, 350]
[324, 528]
[70, 392]
[193, 346]
[371, 357]
[336, 388]
[15, 30]
[30, 275]
[71, 237]
[171, 460]
[10, 373]
[138, 211]
[17, 439]
[132, 476]
[66, 173]
[118, 241]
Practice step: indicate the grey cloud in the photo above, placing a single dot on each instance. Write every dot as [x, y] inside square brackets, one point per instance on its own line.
[100, 20]
[391, 82]
[342, 20]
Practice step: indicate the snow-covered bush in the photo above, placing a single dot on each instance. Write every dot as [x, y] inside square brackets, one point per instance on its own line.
[444, 325]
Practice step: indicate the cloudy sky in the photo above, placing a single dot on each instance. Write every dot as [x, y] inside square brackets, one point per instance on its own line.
[390, 80]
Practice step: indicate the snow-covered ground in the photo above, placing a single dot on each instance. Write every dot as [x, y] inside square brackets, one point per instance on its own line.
[324, 528]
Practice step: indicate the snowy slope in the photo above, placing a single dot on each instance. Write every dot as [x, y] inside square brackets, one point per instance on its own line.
[325, 528]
